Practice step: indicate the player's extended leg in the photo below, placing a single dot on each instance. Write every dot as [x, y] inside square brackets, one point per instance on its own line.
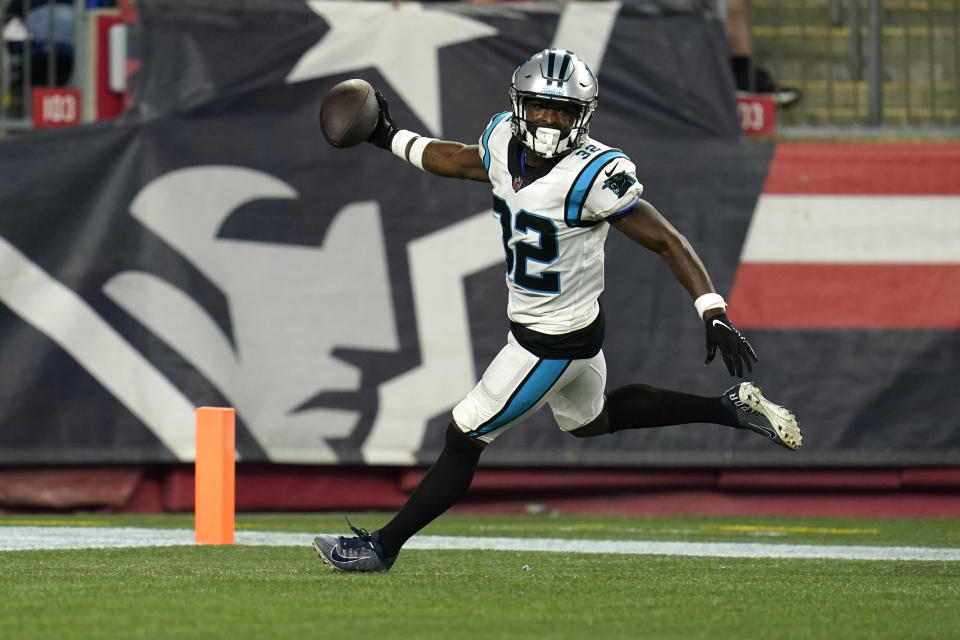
[640, 406]
[516, 384]
[445, 483]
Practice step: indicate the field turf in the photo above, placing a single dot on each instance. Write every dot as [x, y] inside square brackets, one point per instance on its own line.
[286, 592]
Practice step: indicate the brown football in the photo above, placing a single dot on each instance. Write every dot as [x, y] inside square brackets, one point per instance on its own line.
[349, 112]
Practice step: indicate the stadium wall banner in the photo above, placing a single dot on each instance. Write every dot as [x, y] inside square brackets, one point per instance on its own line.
[208, 248]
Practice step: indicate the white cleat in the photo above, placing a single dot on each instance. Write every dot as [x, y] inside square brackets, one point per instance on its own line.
[754, 412]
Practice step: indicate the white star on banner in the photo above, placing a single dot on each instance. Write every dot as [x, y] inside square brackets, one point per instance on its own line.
[399, 40]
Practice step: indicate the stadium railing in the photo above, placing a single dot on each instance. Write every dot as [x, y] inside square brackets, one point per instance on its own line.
[865, 66]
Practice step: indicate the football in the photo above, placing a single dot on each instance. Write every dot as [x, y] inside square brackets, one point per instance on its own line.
[349, 113]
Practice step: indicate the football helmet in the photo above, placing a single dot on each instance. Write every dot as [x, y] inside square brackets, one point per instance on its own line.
[553, 76]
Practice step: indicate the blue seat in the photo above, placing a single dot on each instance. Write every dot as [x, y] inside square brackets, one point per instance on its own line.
[38, 21]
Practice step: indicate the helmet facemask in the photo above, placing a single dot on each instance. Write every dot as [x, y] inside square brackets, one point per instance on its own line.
[562, 81]
[544, 140]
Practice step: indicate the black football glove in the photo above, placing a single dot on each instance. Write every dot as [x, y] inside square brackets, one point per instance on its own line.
[383, 133]
[734, 348]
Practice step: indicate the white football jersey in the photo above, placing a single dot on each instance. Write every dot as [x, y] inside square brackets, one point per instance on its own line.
[554, 226]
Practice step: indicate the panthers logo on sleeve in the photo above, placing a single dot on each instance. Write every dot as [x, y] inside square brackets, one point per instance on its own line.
[619, 183]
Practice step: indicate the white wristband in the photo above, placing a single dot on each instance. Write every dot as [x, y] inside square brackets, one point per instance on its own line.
[401, 142]
[709, 301]
[416, 151]
[401, 139]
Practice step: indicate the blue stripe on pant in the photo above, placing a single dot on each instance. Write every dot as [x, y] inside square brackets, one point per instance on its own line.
[537, 383]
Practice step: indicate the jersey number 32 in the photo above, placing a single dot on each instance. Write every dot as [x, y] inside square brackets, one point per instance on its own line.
[544, 252]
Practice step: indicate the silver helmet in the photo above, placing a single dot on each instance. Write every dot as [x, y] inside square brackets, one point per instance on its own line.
[553, 76]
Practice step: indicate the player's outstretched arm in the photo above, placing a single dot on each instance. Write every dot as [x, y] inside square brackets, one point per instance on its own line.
[440, 157]
[647, 227]
[454, 160]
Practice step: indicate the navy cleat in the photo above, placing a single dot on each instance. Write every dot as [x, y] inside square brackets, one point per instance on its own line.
[753, 411]
[359, 553]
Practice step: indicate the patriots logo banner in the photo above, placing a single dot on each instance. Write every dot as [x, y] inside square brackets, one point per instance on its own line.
[209, 248]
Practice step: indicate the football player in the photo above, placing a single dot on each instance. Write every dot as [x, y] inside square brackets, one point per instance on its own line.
[556, 194]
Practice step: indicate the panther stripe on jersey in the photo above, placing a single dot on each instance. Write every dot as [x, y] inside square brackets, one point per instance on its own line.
[577, 196]
[536, 384]
[485, 140]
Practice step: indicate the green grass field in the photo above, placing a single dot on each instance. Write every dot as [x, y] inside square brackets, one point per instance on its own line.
[286, 592]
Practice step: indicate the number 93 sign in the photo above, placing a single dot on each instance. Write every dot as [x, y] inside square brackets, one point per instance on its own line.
[758, 115]
[56, 107]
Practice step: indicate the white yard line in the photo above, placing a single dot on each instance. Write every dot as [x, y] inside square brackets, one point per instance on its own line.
[35, 538]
